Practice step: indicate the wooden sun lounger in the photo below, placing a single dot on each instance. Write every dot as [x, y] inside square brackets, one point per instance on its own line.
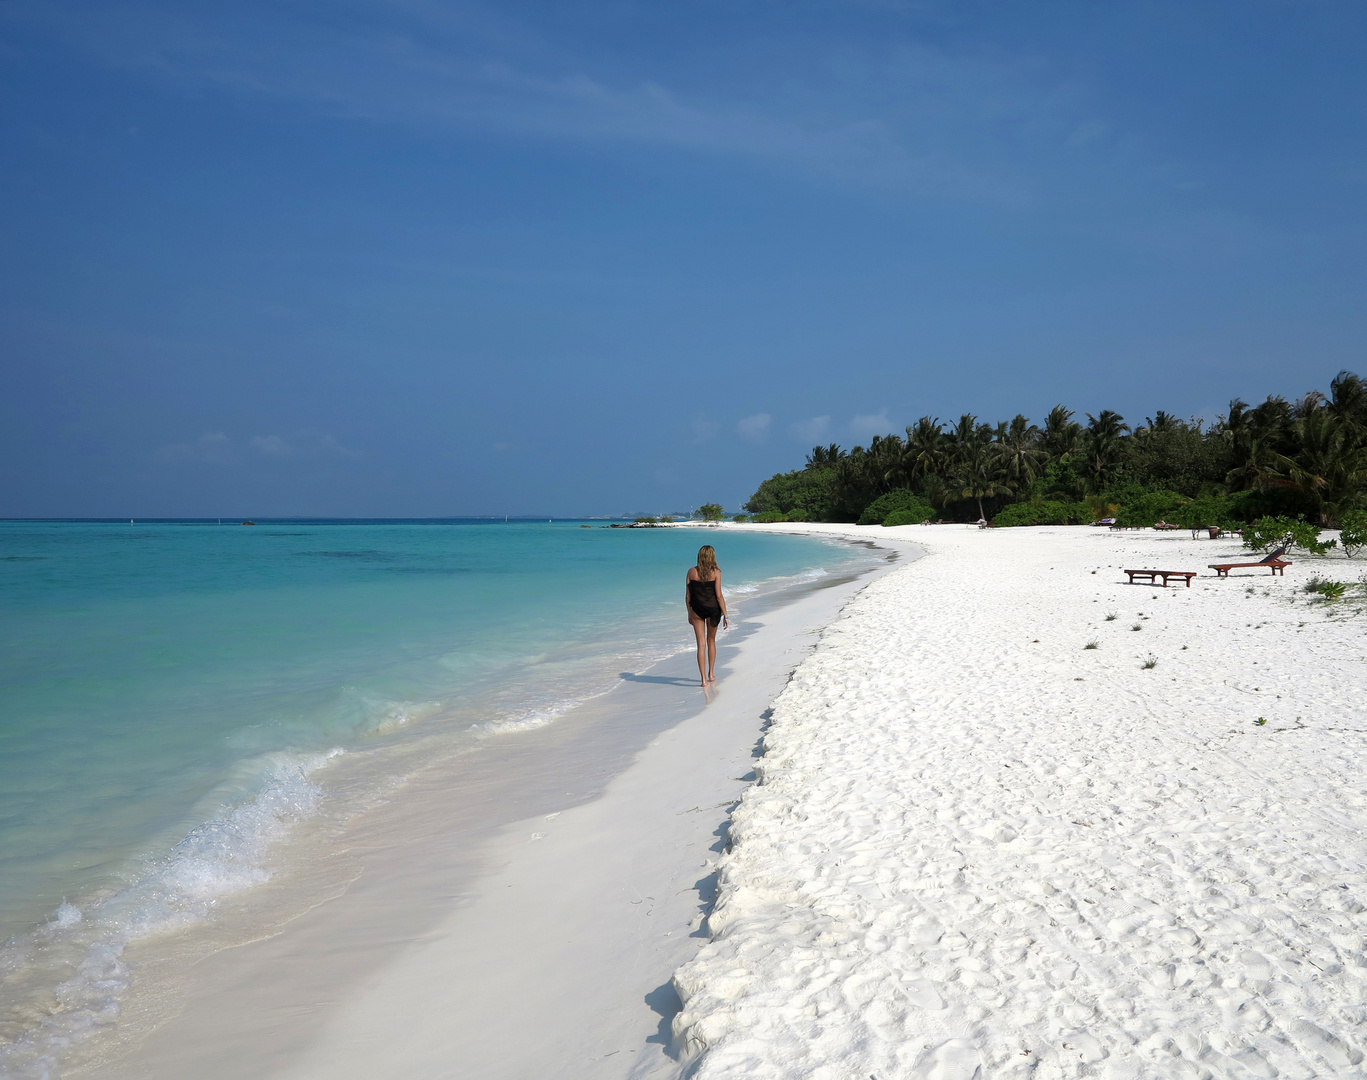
[1273, 562]
[1153, 575]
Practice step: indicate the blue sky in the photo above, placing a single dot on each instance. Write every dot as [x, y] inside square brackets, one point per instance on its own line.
[421, 258]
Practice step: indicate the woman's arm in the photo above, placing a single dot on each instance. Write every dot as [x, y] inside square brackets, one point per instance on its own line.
[721, 600]
[688, 608]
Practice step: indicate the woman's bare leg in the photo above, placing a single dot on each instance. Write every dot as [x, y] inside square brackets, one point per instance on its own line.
[700, 630]
[711, 652]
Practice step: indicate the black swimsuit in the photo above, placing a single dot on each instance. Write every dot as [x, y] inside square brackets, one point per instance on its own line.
[702, 598]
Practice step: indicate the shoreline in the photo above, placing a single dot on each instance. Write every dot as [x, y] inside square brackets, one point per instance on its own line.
[424, 861]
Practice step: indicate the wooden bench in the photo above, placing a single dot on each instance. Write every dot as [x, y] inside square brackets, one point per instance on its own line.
[1277, 566]
[1153, 575]
[1274, 562]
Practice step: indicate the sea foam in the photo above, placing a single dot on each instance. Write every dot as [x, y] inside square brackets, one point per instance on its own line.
[223, 856]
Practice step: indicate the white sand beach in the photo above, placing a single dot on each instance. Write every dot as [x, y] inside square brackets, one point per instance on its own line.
[976, 848]
[980, 849]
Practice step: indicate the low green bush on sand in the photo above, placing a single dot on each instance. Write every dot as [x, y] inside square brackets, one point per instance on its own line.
[901, 501]
[905, 517]
[1217, 510]
[741, 517]
[1353, 532]
[1140, 507]
[770, 517]
[1330, 590]
[1044, 512]
[1268, 533]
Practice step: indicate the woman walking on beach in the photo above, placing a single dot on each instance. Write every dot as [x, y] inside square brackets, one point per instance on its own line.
[706, 608]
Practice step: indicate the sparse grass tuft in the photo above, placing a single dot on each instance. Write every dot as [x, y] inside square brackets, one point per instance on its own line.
[1111, 616]
[1261, 721]
[1137, 626]
[1093, 644]
[1151, 662]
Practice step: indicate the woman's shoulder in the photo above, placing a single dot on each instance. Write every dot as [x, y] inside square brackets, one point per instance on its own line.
[692, 574]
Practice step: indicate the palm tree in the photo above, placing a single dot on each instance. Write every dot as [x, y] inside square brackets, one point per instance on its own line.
[824, 455]
[1309, 403]
[1019, 457]
[885, 461]
[1161, 424]
[1254, 437]
[1271, 421]
[1101, 444]
[1348, 400]
[1060, 435]
[1331, 464]
[974, 460]
[925, 449]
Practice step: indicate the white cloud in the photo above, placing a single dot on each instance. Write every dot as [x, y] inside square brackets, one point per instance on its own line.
[812, 430]
[866, 426]
[903, 115]
[272, 445]
[328, 445]
[1087, 132]
[304, 444]
[755, 428]
[704, 429]
[211, 446]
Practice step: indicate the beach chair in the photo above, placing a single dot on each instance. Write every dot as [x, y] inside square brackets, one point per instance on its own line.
[1152, 576]
[1273, 562]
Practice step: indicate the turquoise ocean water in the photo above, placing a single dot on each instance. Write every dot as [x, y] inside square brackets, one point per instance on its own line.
[172, 693]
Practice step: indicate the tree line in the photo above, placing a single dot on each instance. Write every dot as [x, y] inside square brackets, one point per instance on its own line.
[1301, 459]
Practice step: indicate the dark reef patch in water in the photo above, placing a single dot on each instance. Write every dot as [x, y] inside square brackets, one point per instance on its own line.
[427, 570]
[363, 556]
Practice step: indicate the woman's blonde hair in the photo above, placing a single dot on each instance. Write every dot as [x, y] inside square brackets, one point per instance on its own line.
[707, 562]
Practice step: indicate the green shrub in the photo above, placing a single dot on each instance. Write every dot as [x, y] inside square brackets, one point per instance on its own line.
[809, 490]
[1044, 512]
[1268, 533]
[903, 500]
[741, 517]
[904, 517]
[1139, 506]
[645, 521]
[711, 511]
[1203, 512]
[1332, 590]
[1353, 532]
[666, 520]
[770, 517]
[1228, 512]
